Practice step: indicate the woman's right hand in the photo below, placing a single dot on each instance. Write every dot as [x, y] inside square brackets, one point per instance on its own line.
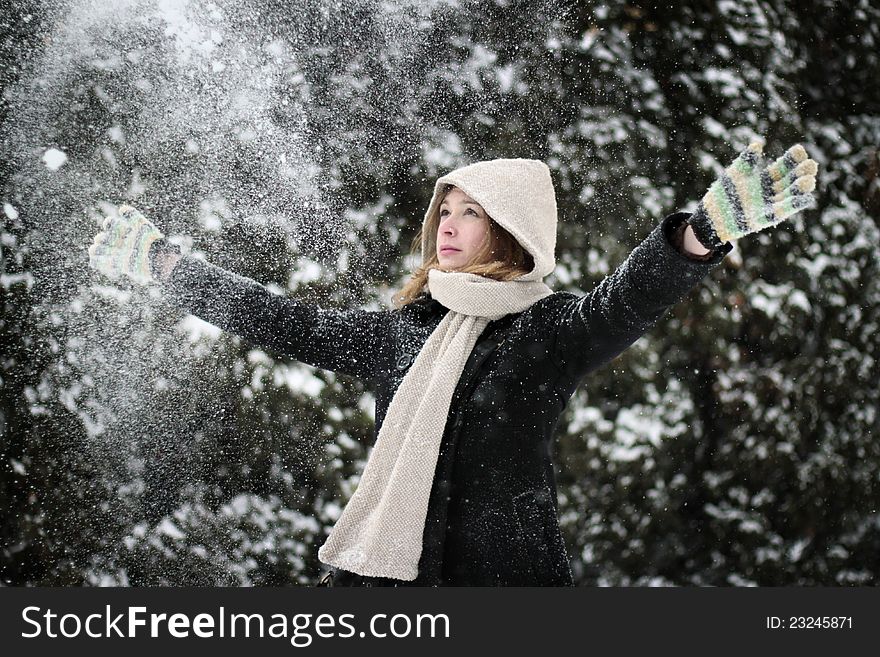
[123, 246]
[749, 197]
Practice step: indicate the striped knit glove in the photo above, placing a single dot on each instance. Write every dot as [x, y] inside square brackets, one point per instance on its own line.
[747, 198]
[123, 246]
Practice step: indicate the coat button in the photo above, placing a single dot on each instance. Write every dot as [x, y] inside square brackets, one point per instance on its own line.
[404, 361]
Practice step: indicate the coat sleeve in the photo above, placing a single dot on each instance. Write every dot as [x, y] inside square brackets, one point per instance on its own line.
[353, 342]
[595, 328]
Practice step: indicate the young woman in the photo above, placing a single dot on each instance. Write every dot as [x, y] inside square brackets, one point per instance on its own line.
[476, 362]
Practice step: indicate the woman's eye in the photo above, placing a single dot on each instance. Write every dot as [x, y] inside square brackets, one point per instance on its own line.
[468, 210]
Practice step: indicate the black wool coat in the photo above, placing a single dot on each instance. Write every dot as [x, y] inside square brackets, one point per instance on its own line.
[492, 514]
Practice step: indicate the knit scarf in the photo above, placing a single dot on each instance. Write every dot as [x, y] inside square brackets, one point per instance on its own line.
[379, 533]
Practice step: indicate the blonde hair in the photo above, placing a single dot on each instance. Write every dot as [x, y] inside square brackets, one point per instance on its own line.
[500, 257]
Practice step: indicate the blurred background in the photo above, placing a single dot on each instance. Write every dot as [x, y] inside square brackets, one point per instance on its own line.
[297, 142]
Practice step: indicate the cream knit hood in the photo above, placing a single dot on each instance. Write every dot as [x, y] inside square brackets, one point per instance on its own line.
[518, 194]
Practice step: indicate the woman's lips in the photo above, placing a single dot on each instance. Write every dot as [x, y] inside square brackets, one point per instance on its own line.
[448, 249]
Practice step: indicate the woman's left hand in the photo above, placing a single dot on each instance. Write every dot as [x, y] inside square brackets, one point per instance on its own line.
[747, 197]
[123, 246]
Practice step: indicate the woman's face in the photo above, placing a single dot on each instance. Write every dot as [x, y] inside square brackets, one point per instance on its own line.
[464, 225]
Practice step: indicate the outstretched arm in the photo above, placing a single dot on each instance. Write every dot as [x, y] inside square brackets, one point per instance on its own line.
[349, 341]
[658, 273]
[746, 198]
[353, 342]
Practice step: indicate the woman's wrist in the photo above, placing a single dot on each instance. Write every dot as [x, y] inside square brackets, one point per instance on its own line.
[167, 264]
[692, 248]
[692, 245]
[164, 256]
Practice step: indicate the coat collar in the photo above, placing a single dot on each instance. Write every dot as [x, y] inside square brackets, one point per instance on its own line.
[427, 304]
